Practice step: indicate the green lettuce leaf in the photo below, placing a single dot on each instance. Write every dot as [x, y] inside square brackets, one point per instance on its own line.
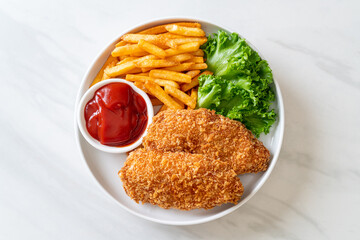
[240, 87]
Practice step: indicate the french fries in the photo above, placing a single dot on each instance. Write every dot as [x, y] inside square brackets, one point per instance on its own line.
[154, 30]
[181, 57]
[193, 73]
[135, 70]
[184, 48]
[149, 63]
[180, 68]
[120, 69]
[139, 54]
[198, 53]
[128, 66]
[127, 59]
[162, 29]
[99, 76]
[126, 50]
[160, 94]
[183, 97]
[144, 74]
[193, 95]
[121, 43]
[105, 76]
[147, 57]
[198, 66]
[196, 60]
[165, 83]
[151, 48]
[179, 102]
[186, 31]
[187, 24]
[142, 87]
[143, 79]
[170, 75]
[174, 43]
[158, 40]
[146, 69]
[164, 61]
[171, 35]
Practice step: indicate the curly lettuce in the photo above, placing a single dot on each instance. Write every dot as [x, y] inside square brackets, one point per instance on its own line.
[240, 87]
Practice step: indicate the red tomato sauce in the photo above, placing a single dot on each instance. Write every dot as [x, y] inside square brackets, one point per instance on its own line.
[116, 115]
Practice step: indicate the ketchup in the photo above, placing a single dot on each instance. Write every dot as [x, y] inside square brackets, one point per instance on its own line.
[116, 115]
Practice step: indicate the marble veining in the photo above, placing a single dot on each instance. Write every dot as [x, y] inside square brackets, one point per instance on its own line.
[330, 65]
[46, 191]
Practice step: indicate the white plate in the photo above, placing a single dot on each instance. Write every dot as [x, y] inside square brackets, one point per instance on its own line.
[105, 166]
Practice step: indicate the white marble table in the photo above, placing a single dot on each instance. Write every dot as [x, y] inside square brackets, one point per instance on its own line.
[314, 49]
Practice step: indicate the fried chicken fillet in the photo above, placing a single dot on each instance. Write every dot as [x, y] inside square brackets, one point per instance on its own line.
[179, 180]
[204, 132]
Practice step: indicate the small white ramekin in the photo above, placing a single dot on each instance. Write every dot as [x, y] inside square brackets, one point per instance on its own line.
[89, 94]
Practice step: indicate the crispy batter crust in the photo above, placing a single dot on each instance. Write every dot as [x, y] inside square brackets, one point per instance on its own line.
[202, 131]
[179, 180]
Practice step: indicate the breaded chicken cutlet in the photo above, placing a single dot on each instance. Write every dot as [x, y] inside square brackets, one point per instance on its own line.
[204, 132]
[179, 180]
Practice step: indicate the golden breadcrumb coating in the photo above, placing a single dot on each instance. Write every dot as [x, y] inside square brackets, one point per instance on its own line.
[179, 180]
[202, 131]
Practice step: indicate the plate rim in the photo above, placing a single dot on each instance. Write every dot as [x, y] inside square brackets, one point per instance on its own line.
[264, 178]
